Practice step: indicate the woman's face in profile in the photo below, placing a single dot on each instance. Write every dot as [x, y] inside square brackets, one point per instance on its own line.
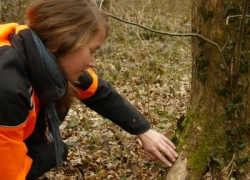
[74, 64]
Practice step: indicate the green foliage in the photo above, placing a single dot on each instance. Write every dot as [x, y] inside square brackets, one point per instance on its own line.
[201, 64]
[237, 142]
[234, 105]
[237, 98]
[206, 14]
[180, 125]
[231, 8]
[244, 68]
[231, 43]
[225, 92]
[234, 147]
[214, 161]
[230, 107]
[202, 77]
[242, 161]
[235, 92]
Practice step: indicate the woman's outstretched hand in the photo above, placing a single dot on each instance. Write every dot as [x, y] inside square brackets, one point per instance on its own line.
[157, 145]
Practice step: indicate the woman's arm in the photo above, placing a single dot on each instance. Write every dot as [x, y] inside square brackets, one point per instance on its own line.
[106, 101]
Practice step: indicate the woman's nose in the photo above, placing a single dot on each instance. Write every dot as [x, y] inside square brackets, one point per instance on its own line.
[92, 63]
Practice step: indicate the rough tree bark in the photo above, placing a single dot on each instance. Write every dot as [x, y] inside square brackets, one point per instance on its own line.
[214, 136]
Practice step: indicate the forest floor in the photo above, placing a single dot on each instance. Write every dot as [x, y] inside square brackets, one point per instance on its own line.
[153, 72]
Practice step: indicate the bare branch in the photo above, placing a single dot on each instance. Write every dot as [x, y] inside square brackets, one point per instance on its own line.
[230, 165]
[234, 16]
[241, 31]
[100, 6]
[222, 49]
[177, 34]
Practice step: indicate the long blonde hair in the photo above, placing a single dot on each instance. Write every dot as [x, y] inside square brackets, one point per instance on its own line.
[64, 26]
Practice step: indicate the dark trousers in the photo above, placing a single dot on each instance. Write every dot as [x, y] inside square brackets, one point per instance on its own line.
[41, 152]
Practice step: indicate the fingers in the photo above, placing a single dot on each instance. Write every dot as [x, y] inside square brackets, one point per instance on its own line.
[158, 155]
[169, 142]
[170, 147]
[157, 146]
[169, 152]
[163, 148]
[151, 155]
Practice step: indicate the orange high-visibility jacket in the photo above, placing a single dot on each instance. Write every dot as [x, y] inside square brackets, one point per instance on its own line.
[20, 104]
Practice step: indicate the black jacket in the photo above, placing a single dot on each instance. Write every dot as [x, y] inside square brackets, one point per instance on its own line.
[21, 106]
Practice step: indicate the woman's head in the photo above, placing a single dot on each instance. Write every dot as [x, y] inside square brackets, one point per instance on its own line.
[66, 25]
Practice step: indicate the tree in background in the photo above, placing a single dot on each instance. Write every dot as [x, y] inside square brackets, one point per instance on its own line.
[214, 136]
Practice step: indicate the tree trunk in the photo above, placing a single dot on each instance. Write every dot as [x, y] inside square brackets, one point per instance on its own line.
[214, 136]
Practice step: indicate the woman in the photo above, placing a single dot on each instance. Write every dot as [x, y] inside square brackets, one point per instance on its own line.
[43, 66]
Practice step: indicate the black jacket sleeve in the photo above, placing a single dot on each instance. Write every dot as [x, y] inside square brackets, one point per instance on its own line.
[107, 102]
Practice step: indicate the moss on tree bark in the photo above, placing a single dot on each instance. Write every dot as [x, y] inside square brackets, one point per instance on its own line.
[214, 136]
